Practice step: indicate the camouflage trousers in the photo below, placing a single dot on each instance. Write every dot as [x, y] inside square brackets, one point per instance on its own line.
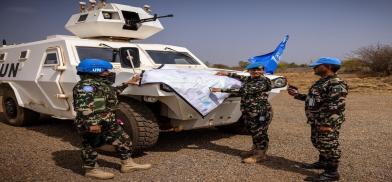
[257, 125]
[112, 134]
[327, 143]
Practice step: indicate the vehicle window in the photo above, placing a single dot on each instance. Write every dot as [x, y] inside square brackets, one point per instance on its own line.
[23, 55]
[110, 15]
[82, 17]
[134, 52]
[110, 55]
[51, 58]
[171, 57]
[97, 53]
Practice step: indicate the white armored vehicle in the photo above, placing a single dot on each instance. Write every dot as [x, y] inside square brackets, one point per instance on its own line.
[38, 77]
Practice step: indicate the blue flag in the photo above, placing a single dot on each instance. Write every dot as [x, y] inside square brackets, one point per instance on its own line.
[270, 61]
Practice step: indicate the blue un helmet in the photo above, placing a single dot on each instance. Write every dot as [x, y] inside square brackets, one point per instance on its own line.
[326, 60]
[93, 66]
[255, 65]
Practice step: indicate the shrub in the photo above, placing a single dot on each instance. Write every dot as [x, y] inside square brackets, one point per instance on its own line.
[353, 65]
[378, 58]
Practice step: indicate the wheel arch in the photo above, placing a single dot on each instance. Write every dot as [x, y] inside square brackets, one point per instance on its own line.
[15, 114]
[11, 86]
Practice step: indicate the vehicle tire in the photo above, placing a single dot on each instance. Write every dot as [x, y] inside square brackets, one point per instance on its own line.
[13, 113]
[235, 128]
[140, 123]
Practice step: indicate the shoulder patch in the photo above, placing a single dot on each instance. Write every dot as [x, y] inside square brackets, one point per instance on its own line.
[339, 89]
[88, 88]
[335, 80]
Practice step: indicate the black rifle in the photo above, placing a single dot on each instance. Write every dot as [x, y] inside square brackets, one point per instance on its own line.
[133, 24]
[154, 18]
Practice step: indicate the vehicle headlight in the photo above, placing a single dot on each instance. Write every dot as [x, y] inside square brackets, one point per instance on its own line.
[165, 87]
[279, 82]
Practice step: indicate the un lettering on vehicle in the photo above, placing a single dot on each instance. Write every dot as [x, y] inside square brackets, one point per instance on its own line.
[9, 69]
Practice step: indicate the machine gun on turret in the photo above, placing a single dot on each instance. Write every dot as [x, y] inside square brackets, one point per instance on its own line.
[134, 24]
[114, 21]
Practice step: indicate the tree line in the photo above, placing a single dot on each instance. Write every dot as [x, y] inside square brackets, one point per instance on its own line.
[371, 60]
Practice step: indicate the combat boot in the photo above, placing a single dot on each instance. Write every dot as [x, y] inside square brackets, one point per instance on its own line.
[98, 173]
[320, 164]
[245, 154]
[328, 176]
[128, 166]
[331, 173]
[258, 156]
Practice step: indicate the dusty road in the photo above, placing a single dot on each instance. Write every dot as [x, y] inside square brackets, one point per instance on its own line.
[49, 151]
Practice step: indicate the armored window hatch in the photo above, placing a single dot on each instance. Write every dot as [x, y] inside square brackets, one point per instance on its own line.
[51, 59]
[82, 18]
[24, 55]
[3, 56]
[132, 20]
[107, 15]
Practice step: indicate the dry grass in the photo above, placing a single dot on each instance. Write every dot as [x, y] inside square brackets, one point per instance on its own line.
[303, 80]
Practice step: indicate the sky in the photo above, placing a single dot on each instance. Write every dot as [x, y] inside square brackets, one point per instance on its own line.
[229, 31]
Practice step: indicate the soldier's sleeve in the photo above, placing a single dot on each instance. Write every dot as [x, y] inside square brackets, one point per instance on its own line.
[234, 90]
[231, 90]
[334, 104]
[236, 76]
[85, 103]
[301, 97]
[121, 88]
[268, 85]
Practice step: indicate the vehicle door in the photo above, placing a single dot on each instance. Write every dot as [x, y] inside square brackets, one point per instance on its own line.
[49, 77]
[124, 66]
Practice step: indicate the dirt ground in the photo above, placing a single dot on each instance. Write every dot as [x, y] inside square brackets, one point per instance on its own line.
[48, 151]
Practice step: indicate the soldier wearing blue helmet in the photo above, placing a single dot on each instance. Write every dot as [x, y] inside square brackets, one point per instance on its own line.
[94, 66]
[325, 110]
[255, 108]
[95, 103]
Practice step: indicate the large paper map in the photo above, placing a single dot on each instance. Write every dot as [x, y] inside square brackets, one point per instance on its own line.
[193, 86]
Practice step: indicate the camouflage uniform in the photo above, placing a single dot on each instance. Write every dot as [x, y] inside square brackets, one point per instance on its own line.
[325, 106]
[255, 108]
[95, 103]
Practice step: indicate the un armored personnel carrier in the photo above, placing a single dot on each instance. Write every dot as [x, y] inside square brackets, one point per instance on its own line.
[38, 77]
